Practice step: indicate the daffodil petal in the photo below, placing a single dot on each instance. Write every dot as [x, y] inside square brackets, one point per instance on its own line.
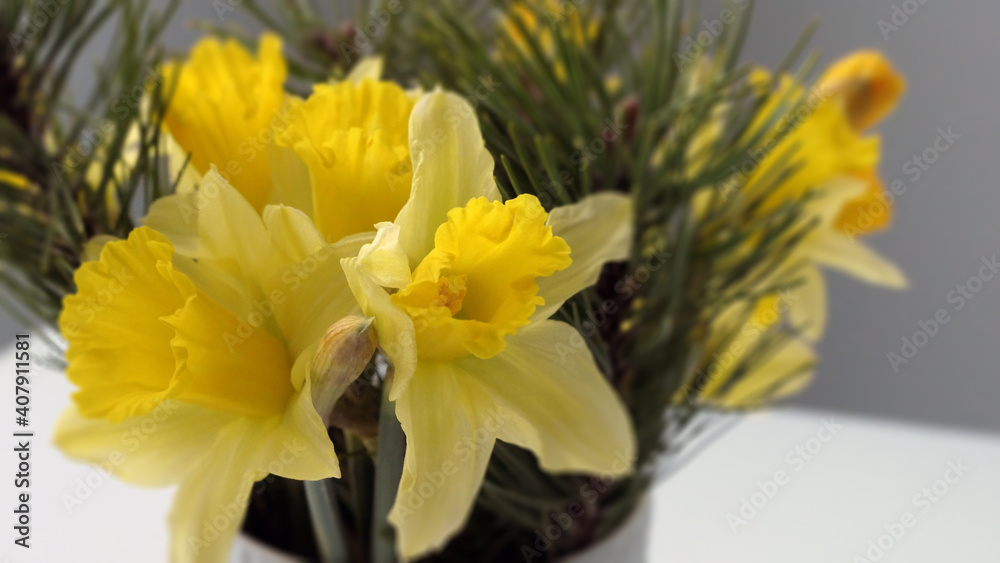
[384, 260]
[829, 201]
[447, 452]
[309, 295]
[598, 230]
[837, 251]
[112, 325]
[367, 68]
[176, 217]
[290, 179]
[293, 233]
[557, 402]
[786, 372]
[212, 499]
[179, 165]
[301, 448]
[395, 330]
[214, 348]
[155, 449]
[450, 166]
[233, 254]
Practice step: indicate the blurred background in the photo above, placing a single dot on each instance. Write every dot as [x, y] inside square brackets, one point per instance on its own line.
[945, 223]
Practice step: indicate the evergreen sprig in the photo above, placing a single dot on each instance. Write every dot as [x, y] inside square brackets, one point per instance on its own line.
[73, 166]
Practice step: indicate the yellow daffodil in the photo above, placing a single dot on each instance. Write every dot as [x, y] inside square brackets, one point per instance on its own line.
[193, 361]
[353, 137]
[840, 167]
[225, 110]
[461, 287]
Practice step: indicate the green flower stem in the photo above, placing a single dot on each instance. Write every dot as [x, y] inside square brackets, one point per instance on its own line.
[361, 483]
[326, 523]
[388, 472]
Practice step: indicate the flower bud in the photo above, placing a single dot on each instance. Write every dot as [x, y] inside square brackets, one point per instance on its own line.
[343, 354]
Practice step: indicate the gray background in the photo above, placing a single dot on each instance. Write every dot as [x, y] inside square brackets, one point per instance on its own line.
[944, 223]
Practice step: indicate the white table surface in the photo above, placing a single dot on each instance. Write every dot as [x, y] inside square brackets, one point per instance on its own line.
[828, 509]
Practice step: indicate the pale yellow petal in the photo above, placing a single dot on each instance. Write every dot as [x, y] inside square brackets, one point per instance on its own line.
[179, 165]
[836, 250]
[308, 296]
[450, 166]
[93, 247]
[292, 232]
[212, 499]
[554, 401]
[384, 260]
[786, 372]
[599, 230]
[228, 249]
[367, 68]
[395, 330]
[155, 449]
[449, 440]
[290, 180]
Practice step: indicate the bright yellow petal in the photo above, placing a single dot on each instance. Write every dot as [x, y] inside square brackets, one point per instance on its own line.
[227, 364]
[479, 284]
[353, 139]
[450, 167]
[113, 325]
[92, 248]
[225, 109]
[598, 230]
[13, 179]
[447, 452]
[556, 402]
[866, 85]
[868, 212]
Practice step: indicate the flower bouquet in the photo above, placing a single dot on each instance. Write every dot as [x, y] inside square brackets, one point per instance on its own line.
[440, 282]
